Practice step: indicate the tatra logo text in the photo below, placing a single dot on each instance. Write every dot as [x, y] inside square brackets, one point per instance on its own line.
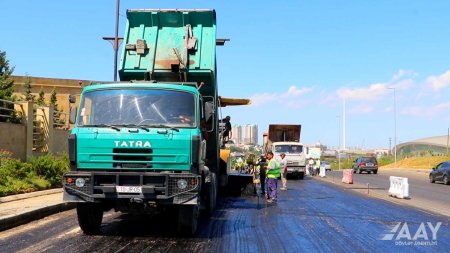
[133, 144]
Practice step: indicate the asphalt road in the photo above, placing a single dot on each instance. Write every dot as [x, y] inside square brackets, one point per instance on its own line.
[423, 194]
[312, 216]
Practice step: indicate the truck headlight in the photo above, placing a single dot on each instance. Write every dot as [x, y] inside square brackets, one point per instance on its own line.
[80, 182]
[182, 184]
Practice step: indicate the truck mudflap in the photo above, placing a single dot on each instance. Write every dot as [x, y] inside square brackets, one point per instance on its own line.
[163, 188]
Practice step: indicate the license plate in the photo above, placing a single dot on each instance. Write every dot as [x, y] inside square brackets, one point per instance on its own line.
[129, 189]
[369, 164]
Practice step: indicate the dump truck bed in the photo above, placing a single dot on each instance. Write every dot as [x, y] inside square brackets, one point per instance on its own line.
[278, 132]
[170, 45]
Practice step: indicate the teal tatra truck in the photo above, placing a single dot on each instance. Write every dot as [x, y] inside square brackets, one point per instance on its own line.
[151, 142]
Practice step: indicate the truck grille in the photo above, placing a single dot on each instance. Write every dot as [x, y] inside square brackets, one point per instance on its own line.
[132, 157]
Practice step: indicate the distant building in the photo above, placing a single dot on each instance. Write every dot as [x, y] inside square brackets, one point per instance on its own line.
[437, 145]
[251, 134]
[236, 134]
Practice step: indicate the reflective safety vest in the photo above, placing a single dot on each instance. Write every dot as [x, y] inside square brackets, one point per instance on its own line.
[273, 173]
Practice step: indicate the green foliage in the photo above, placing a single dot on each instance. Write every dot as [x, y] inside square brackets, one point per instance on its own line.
[6, 85]
[42, 173]
[28, 96]
[54, 100]
[51, 168]
[41, 98]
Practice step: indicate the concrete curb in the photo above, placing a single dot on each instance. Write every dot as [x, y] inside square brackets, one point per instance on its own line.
[23, 218]
[29, 195]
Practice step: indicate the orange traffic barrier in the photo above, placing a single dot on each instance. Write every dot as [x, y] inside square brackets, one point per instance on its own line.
[347, 176]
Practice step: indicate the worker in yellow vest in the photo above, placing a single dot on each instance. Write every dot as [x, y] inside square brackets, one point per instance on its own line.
[273, 173]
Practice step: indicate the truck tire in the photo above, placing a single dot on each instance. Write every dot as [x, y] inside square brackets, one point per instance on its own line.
[187, 220]
[90, 217]
[211, 198]
[301, 175]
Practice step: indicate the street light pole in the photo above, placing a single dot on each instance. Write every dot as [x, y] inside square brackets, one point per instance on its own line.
[116, 40]
[395, 128]
[339, 149]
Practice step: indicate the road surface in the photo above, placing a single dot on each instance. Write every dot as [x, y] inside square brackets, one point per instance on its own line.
[423, 194]
[312, 216]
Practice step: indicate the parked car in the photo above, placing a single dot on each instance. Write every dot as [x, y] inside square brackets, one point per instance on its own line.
[365, 163]
[326, 165]
[441, 173]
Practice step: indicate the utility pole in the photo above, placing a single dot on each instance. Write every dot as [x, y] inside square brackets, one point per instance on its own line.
[395, 128]
[390, 145]
[339, 149]
[115, 40]
[448, 138]
[343, 124]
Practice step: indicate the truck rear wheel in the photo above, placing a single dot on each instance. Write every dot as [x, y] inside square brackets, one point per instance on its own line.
[187, 220]
[90, 217]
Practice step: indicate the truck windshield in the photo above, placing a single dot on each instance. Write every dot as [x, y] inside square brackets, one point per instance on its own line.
[289, 149]
[137, 107]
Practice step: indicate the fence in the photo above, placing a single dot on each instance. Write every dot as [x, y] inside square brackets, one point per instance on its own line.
[60, 120]
[39, 133]
[6, 112]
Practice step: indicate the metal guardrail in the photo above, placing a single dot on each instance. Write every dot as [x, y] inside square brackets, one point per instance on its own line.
[3, 108]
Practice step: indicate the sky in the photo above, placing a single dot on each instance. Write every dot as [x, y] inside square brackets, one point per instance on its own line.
[297, 60]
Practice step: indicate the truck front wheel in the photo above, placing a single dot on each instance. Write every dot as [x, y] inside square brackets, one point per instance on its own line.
[187, 220]
[211, 198]
[90, 217]
[301, 175]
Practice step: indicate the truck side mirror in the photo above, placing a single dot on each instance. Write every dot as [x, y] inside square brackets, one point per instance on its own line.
[72, 99]
[73, 114]
[209, 110]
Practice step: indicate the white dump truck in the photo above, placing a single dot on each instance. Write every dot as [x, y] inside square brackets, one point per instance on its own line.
[286, 139]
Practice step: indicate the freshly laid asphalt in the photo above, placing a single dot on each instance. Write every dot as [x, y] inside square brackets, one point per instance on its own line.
[311, 216]
[20, 209]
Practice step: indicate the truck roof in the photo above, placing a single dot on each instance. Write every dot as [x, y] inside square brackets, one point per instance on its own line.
[286, 143]
[190, 87]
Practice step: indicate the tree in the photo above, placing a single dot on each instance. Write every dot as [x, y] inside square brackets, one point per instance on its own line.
[6, 86]
[41, 98]
[28, 96]
[57, 116]
[54, 100]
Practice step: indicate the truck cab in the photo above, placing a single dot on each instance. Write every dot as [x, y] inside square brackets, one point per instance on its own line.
[295, 157]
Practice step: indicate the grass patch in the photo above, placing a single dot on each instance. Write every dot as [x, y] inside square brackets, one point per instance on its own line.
[387, 162]
[418, 162]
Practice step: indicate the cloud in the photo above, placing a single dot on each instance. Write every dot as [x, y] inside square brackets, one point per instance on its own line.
[439, 82]
[403, 84]
[361, 109]
[424, 111]
[373, 92]
[263, 98]
[292, 93]
[401, 74]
